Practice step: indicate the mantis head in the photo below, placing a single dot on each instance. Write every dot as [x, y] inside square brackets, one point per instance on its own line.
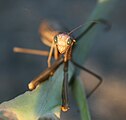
[63, 42]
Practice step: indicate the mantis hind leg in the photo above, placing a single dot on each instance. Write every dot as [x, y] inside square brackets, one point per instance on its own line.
[30, 51]
[92, 73]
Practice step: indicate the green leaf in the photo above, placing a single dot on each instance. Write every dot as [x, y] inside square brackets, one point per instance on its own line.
[40, 104]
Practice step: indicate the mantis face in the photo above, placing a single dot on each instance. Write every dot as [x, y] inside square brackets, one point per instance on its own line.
[63, 42]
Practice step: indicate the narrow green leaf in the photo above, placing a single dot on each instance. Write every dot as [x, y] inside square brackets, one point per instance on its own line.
[80, 96]
[102, 11]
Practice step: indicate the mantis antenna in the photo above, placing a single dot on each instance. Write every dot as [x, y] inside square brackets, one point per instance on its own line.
[91, 25]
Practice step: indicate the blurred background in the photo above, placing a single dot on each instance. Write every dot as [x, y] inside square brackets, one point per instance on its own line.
[19, 23]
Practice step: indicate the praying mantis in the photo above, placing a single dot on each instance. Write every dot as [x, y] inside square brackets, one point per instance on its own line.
[61, 45]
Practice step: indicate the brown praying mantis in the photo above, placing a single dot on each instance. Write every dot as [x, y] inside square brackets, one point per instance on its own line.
[60, 44]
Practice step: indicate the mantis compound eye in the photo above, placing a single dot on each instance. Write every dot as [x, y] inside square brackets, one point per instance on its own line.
[69, 41]
[55, 39]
